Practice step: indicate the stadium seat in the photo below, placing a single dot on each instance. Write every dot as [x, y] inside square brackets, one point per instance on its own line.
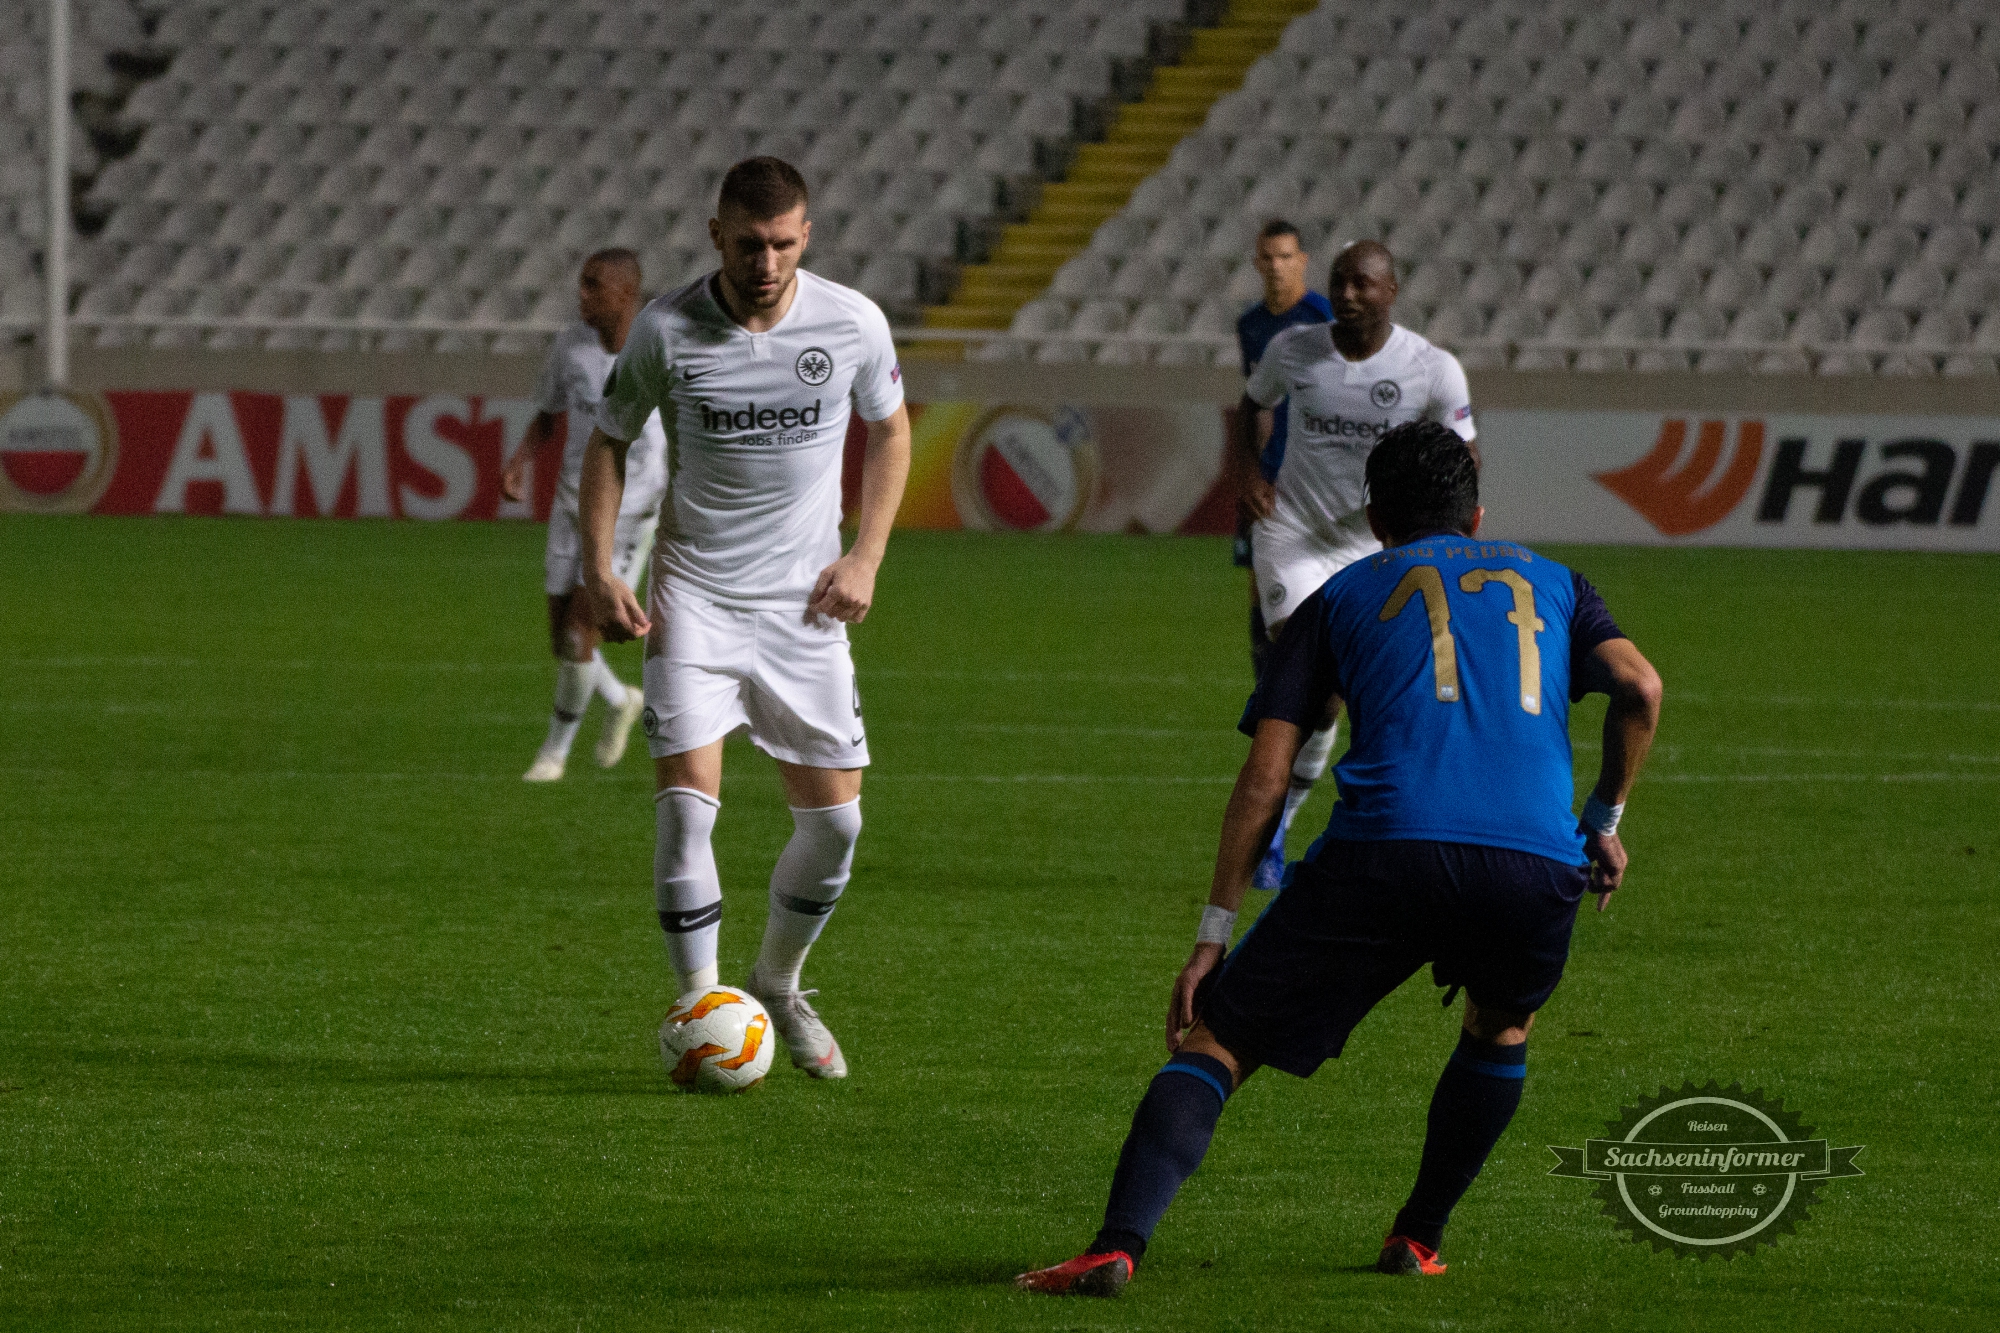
[1576, 322]
[1758, 326]
[1476, 138]
[1890, 246]
[1971, 363]
[1941, 330]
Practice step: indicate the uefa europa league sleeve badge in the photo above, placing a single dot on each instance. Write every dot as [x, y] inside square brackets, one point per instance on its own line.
[1707, 1171]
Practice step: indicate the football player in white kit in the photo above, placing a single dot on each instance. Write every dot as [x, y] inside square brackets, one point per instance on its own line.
[1348, 383]
[753, 369]
[572, 383]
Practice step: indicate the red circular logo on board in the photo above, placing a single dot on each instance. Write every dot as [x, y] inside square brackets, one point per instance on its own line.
[1022, 470]
[57, 452]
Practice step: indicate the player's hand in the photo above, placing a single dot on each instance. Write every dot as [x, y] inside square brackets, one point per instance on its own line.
[844, 590]
[514, 478]
[1607, 863]
[1257, 495]
[1180, 1006]
[616, 611]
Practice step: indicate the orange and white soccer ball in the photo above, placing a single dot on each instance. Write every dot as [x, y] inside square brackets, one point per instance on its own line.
[716, 1039]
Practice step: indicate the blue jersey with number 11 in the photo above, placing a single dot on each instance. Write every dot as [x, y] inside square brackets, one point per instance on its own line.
[1458, 660]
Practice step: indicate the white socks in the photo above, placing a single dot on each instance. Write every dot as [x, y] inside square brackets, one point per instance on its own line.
[609, 688]
[1310, 766]
[808, 880]
[574, 682]
[685, 886]
[1307, 769]
[804, 888]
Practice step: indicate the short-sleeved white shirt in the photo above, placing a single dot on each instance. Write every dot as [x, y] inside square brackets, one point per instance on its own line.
[1340, 408]
[756, 428]
[571, 387]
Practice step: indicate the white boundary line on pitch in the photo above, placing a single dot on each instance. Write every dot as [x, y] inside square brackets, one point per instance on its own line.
[1673, 696]
[992, 779]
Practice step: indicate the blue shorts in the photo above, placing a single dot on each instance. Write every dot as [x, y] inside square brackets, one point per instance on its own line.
[1360, 918]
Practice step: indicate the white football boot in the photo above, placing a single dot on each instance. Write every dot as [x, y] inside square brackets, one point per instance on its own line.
[546, 768]
[618, 728]
[812, 1045]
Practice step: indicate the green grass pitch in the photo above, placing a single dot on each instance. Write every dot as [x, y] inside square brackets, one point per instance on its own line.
[313, 1015]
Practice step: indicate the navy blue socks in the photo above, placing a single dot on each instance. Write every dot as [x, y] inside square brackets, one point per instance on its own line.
[1170, 1134]
[1475, 1098]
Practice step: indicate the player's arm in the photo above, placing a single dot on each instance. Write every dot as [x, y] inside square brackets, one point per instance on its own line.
[1245, 463]
[1263, 390]
[1617, 668]
[1451, 403]
[600, 493]
[1298, 686]
[636, 388]
[541, 432]
[845, 589]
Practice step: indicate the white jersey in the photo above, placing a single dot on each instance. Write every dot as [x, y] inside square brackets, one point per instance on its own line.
[756, 429]
[571, 387]
[1340, 408]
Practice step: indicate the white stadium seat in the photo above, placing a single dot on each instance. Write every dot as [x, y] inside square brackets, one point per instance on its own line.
[1530, 166]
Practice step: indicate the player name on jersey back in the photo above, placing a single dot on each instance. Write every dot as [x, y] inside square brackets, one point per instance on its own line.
[757, 429]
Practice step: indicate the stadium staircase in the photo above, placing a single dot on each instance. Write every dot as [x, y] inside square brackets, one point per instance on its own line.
[1103, 175]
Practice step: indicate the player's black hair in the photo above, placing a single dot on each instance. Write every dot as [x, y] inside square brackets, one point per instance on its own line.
[1422, 479]
[1279, 227]
[619, 257]
[763, 187]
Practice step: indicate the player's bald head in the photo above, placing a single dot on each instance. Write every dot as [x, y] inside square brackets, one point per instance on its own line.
[1362, 289]
[1371, 258]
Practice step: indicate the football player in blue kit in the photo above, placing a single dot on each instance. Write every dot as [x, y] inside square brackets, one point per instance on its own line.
[1281, 261]
[1452, 843]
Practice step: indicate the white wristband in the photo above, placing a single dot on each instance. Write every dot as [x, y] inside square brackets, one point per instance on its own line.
[1601, 817]
[1217, 924]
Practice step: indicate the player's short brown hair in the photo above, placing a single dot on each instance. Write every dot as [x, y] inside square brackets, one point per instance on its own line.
[763, 187]
[1280, 227]
[619, 259]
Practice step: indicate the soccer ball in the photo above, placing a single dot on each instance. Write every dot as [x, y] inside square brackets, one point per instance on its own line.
[716, 1039]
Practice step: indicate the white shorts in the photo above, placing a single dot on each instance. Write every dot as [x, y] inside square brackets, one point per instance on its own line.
[562, 558]
[1292, 561]
[712, 669]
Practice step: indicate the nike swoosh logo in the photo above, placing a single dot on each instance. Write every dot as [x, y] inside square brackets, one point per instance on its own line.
[856, 741]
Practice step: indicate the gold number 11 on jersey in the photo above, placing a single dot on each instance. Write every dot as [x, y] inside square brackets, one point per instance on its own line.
[1425, 580]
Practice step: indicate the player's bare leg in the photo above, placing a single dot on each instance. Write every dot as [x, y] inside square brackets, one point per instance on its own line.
[575, 681]
[1170, 1135]
[806, 885]
[686, 888]
[623, 703]
[1475, 1099]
